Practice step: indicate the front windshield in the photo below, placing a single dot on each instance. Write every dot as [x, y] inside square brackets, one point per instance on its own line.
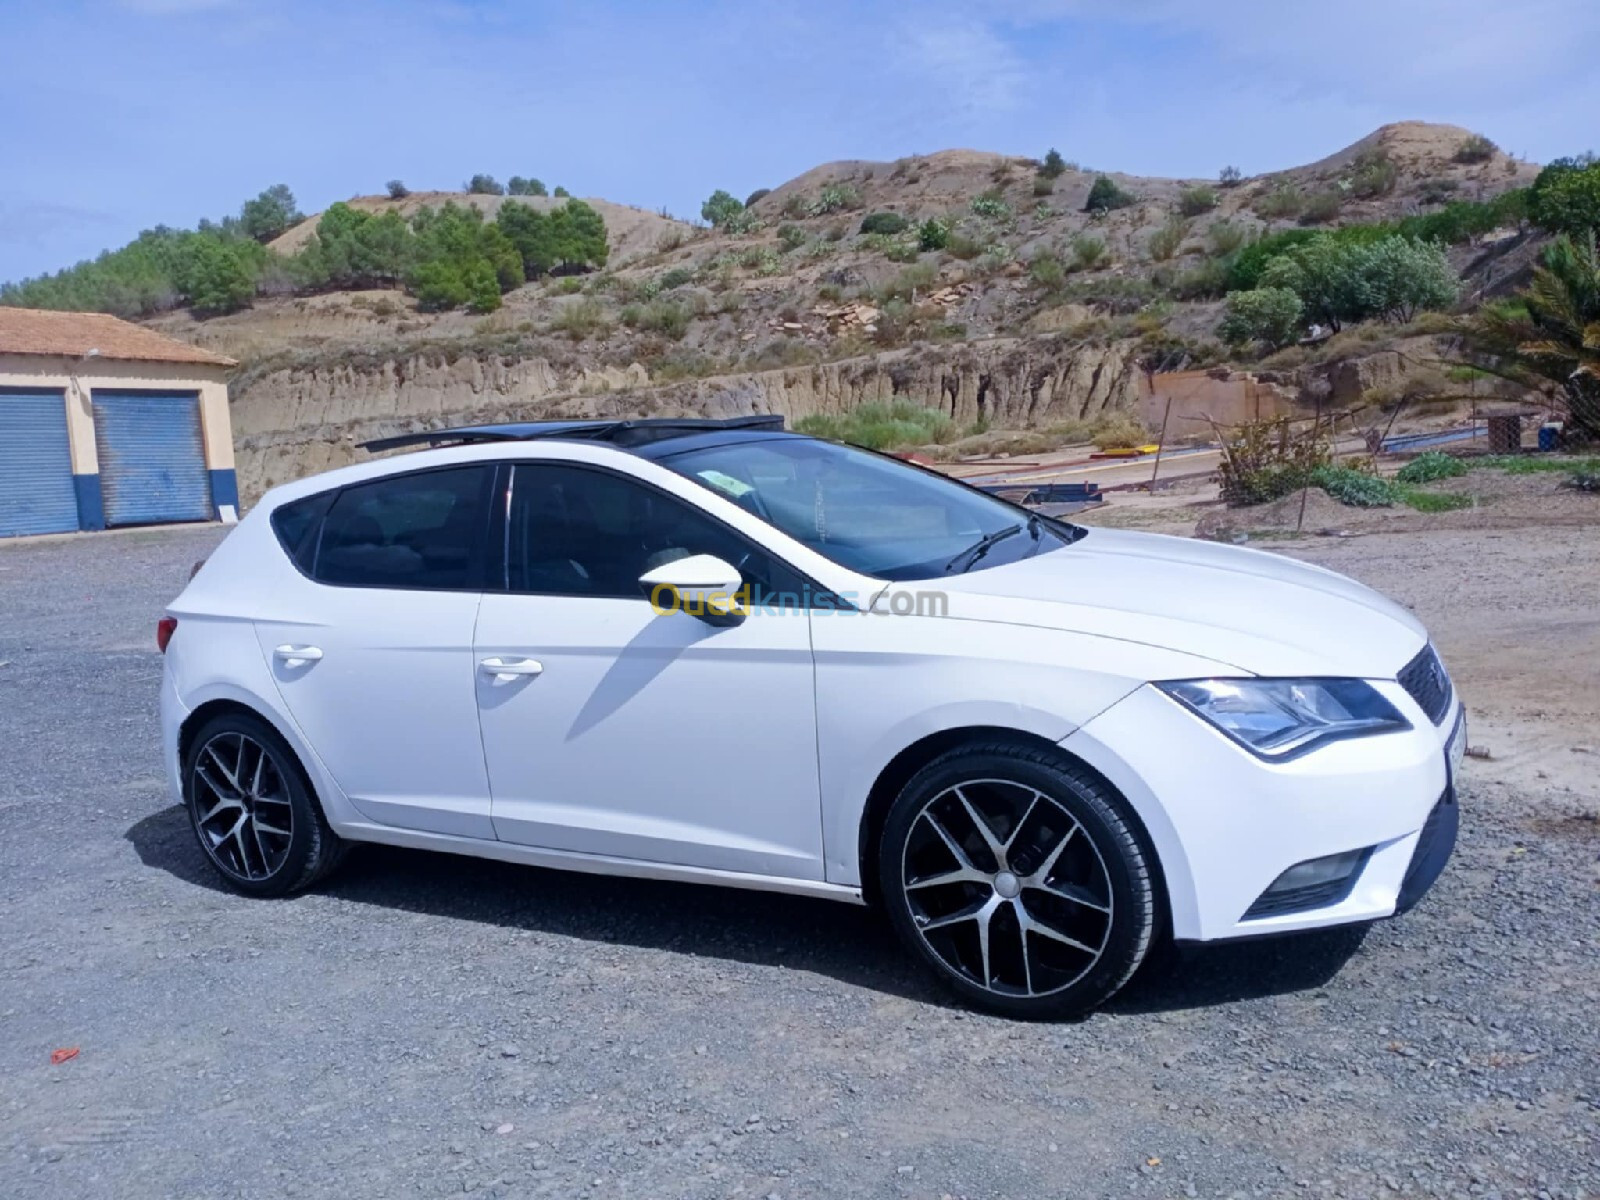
[869, 513]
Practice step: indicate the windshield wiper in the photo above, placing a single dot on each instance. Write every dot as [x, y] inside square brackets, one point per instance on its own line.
[970, 556]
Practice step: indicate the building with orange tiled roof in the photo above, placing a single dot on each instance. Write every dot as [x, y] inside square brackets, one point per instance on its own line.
[106, 423]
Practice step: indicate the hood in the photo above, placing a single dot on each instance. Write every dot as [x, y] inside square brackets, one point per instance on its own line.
[1259, 612]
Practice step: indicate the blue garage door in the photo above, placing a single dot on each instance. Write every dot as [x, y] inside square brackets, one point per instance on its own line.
[152, 457]
[36, 493]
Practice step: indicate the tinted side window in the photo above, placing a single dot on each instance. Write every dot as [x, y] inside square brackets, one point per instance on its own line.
[423, 530]
[577, 532]
[297, 525]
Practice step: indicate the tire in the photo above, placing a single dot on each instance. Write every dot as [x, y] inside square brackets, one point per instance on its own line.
[252, 810]
[1017, 877]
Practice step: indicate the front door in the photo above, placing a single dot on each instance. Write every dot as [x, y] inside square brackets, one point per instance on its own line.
[633, 733]
[373, 652]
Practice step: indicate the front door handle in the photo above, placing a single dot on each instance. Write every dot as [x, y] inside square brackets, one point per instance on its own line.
[296, 656]
[511, 668]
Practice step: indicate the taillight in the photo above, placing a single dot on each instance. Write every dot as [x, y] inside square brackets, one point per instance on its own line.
[165, 628]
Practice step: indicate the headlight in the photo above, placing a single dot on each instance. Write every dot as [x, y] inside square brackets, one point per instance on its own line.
[1282, 718]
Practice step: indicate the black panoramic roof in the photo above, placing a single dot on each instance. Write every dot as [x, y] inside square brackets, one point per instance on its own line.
[627, 435]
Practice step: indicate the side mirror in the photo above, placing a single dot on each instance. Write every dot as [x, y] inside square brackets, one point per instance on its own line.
[701, 585]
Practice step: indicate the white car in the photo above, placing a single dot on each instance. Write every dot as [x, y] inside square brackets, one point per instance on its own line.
[720, 652]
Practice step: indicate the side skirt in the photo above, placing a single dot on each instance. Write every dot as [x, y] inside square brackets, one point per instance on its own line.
[594, 864]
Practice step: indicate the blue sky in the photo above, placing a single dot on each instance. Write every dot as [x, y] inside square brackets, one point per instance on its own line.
[122, 114]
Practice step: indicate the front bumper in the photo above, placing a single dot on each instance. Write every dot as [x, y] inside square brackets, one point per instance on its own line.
[1226, 824]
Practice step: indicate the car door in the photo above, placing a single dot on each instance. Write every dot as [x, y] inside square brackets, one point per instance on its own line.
[372, 652]
[632, 732]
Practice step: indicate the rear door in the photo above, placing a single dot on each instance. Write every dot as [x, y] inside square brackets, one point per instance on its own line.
[635, 733]
[376, 664]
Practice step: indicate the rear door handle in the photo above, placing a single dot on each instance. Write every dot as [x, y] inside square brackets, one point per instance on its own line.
[294, 656]
[511, 668]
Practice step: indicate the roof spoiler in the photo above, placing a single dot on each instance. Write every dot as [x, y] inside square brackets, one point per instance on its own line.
[621, 433]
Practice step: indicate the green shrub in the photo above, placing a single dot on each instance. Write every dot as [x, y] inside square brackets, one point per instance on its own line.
[1322, 208]
[884, 222]
[933, 234]
[561, 193]
[719, 208]
[959, 245]
[991, 206]
[1360, 489]
[1230, 176]
[483, 288]
[918, 277]
[882, 426]
[1282, 203]
[1197, 201]
[1266, 460]
[1088, 252]
[518, 186]
[483, 185]
[1053, 166]
[676, 278]
[901, 250]
[1105, 195]
[1438, 191]
[750, 200]
[1224, 238]
[1431, 465]
[1204, 280]
[743, 221]
[580, 319]
[791, 237]
[1374, 174]
[1268, 315]
[1565, 198]
[1475, 149]
[397, 189]
[1046, 271]
[1043, 185]
[1166, 241]
[1342, 280]
[836, 197]
[1244, 272]
[666, 317]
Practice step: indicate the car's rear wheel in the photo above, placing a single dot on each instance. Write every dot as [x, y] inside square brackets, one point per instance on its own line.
[252, 812]
[1018, 877]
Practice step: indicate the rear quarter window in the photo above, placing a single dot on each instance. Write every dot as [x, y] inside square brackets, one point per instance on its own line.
[297, 525]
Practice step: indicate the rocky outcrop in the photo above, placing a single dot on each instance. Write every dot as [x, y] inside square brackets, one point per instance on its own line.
[308, 417]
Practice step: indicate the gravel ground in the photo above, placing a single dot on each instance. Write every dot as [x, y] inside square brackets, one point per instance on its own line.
[430, 1026]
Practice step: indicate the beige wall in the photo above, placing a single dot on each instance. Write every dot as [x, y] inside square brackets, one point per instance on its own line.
[79, 377]
[1226, 397]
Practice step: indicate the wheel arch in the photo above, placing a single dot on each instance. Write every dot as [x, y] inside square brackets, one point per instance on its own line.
[218, 706]
[904, 765]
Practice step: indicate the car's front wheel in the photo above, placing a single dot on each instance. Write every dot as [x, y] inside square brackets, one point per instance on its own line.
[251, 810]
[1019, 879]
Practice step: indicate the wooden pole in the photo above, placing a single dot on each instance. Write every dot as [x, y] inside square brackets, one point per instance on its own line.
[1161, 444]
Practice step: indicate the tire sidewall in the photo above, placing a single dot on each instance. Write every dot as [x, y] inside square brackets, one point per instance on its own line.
[1096, 810]
[302, 838]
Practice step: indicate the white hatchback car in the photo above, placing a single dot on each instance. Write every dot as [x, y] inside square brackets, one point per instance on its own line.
[721, 652]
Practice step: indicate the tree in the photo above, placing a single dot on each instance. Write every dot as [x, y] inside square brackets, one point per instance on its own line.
[571, 236]
[1230, 176]
[269, 214]
[561, 193]
[483, 289]
[220, 276]
[1105, 195]
[485, 185]
[1551, 332]
[1269, 315]
[756, 195]
[1053, 166]
[397, 189]
[518, 186]
[1340, 280]
[1565, 198]
[720, 207]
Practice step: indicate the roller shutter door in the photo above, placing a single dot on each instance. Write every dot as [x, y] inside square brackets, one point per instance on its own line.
[152, 457]
[36, 492]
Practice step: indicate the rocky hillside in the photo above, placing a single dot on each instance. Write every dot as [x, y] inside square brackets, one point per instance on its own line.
[804, 312]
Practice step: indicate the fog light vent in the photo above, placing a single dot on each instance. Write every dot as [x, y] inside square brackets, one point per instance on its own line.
[1315, 883]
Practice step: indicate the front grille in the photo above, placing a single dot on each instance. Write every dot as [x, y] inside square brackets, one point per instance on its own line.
[1425, 681]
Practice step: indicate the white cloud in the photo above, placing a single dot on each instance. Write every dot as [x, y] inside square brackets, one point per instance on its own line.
[172, 8]
[967, 65]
